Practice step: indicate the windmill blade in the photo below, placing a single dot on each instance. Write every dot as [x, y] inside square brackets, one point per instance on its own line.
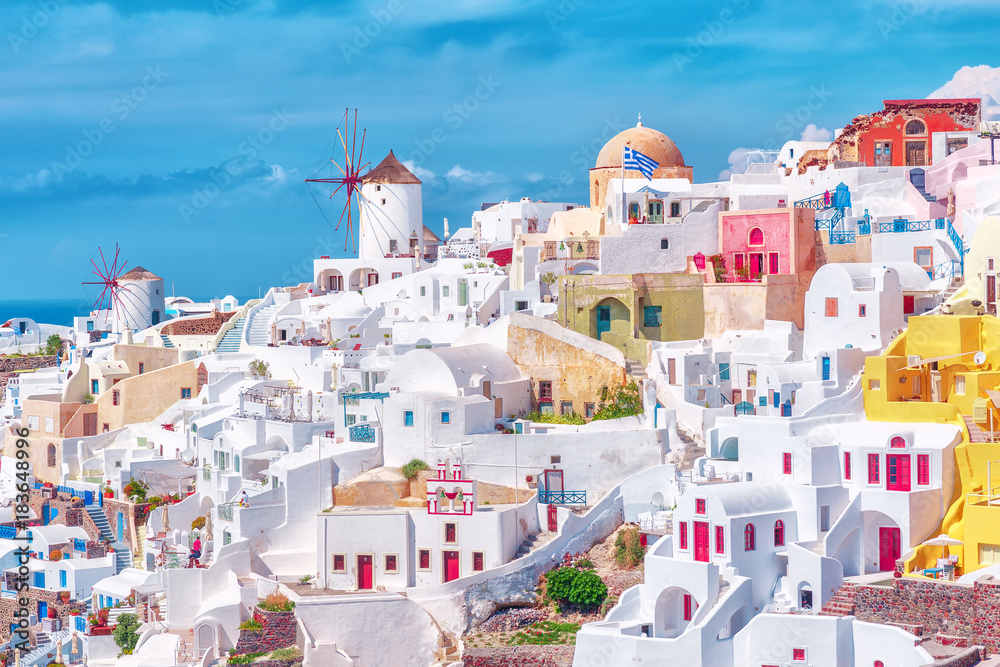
[354, 139]
[347, 155]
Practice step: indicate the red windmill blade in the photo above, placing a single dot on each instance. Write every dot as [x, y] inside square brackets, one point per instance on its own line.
[114, 295]
[350, 176]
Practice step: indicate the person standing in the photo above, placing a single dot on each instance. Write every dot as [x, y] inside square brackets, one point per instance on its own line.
[195, 553]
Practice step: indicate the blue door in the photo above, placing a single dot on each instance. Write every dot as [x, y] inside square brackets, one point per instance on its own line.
[826, 368]
[88, 497]
[45, 515]
[786, 408]
[43, 610]
[121, 527]
[39, 580]
[777, 399]
[62, 578]
[603, 320]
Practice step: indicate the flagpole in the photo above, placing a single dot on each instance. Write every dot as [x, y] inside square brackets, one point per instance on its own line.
[624, 216]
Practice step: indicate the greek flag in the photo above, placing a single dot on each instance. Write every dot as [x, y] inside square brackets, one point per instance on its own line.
[633, 159]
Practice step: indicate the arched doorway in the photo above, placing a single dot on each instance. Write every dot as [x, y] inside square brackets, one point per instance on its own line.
[610, 315]
[883, 542]
[675, 607]
[204, 637]
[730, 449]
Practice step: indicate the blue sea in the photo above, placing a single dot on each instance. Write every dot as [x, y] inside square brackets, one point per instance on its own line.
[51, 311]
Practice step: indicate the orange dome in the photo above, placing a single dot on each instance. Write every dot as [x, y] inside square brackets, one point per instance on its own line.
[647, 141]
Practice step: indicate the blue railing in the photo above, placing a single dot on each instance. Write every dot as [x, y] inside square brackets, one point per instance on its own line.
[959, 246]
[563, 497]
[7, 532]
[840, 238]
[362, 433]
[945, 269]
[79, 545]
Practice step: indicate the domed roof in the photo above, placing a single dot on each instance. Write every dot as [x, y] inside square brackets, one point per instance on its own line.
[647, 141]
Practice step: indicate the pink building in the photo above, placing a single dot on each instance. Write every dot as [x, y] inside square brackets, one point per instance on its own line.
[777, 241]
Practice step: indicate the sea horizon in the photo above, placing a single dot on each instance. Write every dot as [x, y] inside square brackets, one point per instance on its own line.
[56, 311]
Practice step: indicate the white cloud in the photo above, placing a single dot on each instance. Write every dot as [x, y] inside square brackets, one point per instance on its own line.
[979, 81]
[813, 133]
[534, 177]
[459, 173]
[420, 172]
[737, 163]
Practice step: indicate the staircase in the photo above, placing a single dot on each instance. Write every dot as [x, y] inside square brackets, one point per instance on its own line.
[842, 603]
[166, 340]
[532, 542]
[45, 644]
[139, 559]
[231, 339]
[976, 433]
[122, 554]
[635, 369]
[260, 326]
[782, 602]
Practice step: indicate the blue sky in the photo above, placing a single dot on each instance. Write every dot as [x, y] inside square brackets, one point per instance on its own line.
[183, 130]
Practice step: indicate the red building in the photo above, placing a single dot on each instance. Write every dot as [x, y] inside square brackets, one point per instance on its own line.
[910, 133]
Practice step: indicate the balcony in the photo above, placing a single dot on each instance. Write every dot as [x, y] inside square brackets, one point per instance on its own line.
[562, 497]
[226, 512]
[362, 433]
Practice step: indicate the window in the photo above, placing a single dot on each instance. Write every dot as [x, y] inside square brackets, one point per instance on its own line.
[779, 533]
[772, 263]
[477, 561]
[723, 371]
[915, 127]
[520, 305]
[738, 261]
[875, 385]
[116, 397]
[786, 463]
[445, 291]
[423, 290]
[142, 368]
[397, 274]
[799, 654]
[749, 539]
[957, 145]
[51, 455]
[720, 540]
[688, 607]
[339, 562]
[923, 469]
[831, 306]
[378, 188]
[651, 316]
[675, 209]
[756, 236]
[407, 417]
[699, 506]
[847, 465]
[873, 469]
[50, 425]
[236, 463]
[383, 204]
[589, 409]
[545, 390]
[897, 443]
[423, 559]
[445, 417]
[185, 392]
[32, 423]
[664, 244]
[960, 385]
[391, 563]
[566, 407]
[450, 533]
[862, 311]
[654, 211]
[95, 387]
[555, 460]
[824, 518]
[62, 578]
[683, 539]
[923, 256]
[989, 553]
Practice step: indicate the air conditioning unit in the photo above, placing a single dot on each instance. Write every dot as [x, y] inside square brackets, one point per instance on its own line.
[912, 359]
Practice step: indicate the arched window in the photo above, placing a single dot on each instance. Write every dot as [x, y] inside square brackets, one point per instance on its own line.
[878, 663]
[897, 442]
[915, 127]
[749, 538]
[51, 455]
[779, 533]
[756, 236]
[236, 463]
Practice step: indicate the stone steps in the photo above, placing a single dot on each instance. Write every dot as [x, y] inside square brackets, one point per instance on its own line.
[842, 602]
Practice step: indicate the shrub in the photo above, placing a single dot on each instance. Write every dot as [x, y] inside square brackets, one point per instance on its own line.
[251, 625]
[287, 653]
[624, 402]
[305, 579]
[260, 368]
[88, 399]
[136, 490]
[55, 555]
[628, 550]
[411, 469]
[53, 345]
[243, 658]
[588, 589]
[553, 418]
[198, 523]
[559, 583]
[583, 564]
[125, 634]
[276, 602]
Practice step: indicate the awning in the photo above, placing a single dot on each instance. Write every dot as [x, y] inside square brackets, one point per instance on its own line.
[994, 397]
[264, 456]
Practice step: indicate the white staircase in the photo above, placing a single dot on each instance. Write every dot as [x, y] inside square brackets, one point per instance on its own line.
[259, 327]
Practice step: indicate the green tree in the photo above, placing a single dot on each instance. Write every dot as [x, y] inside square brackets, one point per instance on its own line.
[53, 345]
[125, 634]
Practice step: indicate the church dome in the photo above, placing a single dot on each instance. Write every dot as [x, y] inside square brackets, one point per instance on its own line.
[647, 141]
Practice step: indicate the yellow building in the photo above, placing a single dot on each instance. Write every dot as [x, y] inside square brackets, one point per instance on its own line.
[939, 371]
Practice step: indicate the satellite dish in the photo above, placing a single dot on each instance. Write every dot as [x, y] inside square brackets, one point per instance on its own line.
[657, 499]
[187, 455]
[979, 358]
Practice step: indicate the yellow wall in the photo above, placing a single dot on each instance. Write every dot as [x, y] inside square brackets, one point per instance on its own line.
[144, 397]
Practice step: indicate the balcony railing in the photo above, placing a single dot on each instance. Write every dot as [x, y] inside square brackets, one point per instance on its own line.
[563, 497]
[226, 511]
[841, 238]
[362, 433]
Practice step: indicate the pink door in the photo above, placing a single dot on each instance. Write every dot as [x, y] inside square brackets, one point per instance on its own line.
[701, 541]
[364, 573]
[450, 566]
[888, 548]
[898, 472]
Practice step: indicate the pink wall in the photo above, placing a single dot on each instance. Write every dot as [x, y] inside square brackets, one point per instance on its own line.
[734, 232]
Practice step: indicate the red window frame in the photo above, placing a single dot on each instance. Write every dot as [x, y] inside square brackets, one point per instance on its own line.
[339, 563]
[786, 463]
[847, 465]
[477, 561]
[424, 556]
[799, 654]
[688, 607]
[391, 563]
[873, 469]
[545, 390]
[699, 505]
[450, 533]
[779, 533]
[720, 540]
[898, 442]
[923, 469]
[683, 526]
[749, 538]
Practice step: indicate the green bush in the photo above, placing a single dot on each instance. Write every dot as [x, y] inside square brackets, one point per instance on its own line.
[243, 658]
[125, 634]
[53, 345]
[629, 552]
[553, 418]
[287, 653]
[588, 589]
[624, 402]
[251, 624]
[411, 469]
[260, 368]
[559, 583]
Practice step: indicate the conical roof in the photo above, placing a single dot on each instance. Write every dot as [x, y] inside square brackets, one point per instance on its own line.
[139, 273]
[390, 170]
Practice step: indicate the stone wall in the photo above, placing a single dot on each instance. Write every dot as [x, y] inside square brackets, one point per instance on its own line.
[278, 631]
[132, 514]
[36, 595]
[519, 656]
[204, 326]
[8, 366]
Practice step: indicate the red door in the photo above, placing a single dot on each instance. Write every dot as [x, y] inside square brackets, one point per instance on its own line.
[898, 472]
[450, 566]
[908, 305]
[364, 573]
[701, 541]
[553, 519]
[888, 548]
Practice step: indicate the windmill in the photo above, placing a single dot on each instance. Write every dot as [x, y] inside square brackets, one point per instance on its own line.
[114, 295]
[349, 176]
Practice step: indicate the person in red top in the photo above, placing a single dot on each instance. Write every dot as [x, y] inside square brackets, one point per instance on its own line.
[195, 553]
